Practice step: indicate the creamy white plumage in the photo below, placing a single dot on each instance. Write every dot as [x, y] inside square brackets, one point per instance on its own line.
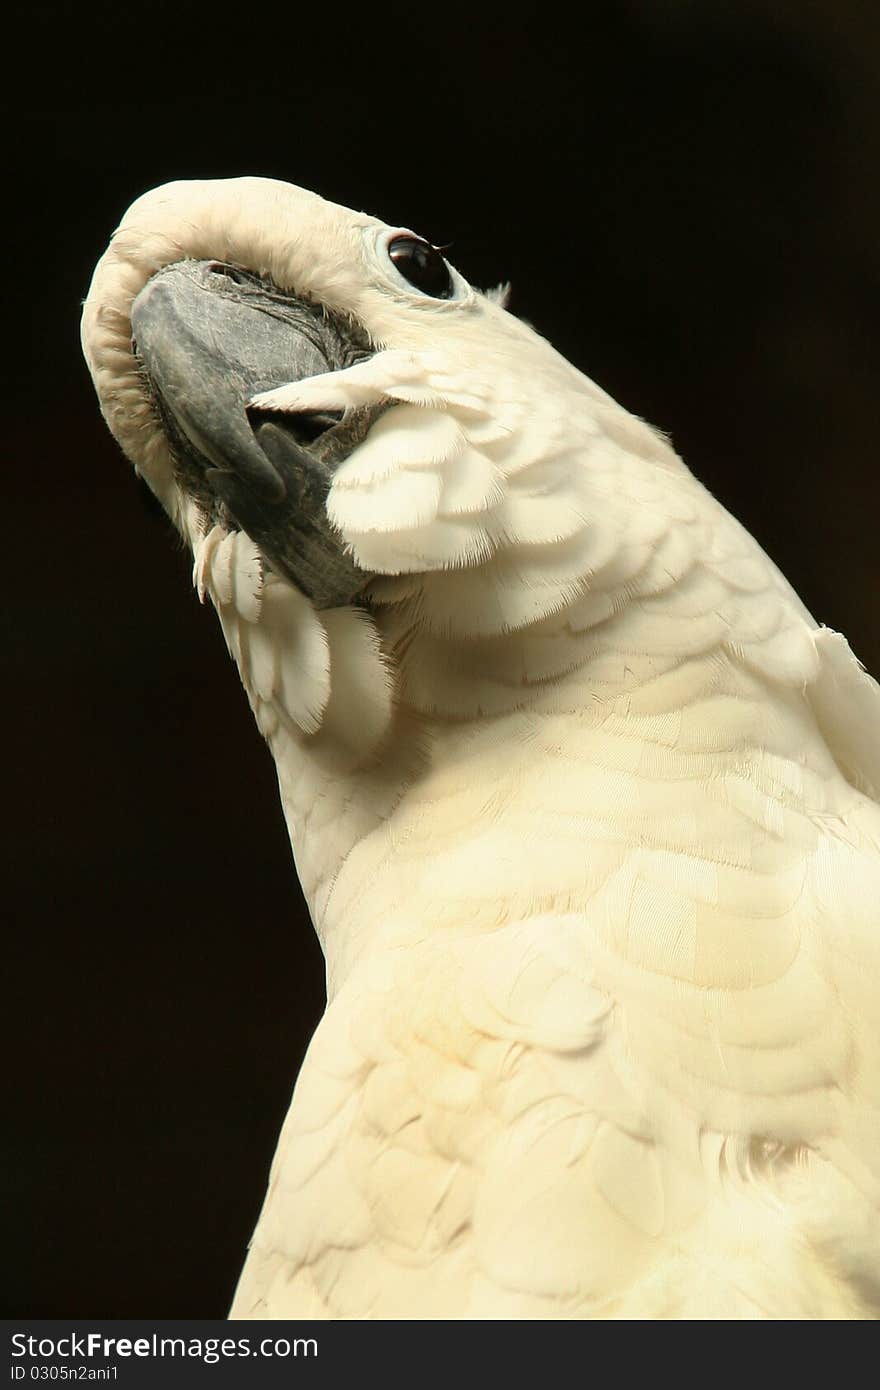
[585, 808]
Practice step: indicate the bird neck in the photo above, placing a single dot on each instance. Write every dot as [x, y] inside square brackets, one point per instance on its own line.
[462, 817]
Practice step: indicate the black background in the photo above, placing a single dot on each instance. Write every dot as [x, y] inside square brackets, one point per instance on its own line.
[685, 197]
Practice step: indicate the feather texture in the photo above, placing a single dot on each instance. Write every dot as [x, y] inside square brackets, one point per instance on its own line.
[585, 806]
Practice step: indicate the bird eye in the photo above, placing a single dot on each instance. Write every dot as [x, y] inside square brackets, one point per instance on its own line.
[422, 265]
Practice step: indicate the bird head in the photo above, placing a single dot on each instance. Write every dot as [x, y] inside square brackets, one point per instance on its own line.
[279, 366]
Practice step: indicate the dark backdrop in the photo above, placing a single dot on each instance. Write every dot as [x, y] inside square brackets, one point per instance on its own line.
[685, 198]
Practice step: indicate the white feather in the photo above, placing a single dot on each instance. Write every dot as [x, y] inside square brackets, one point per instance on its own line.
[247, 578]
[585, 809]
[222, 561]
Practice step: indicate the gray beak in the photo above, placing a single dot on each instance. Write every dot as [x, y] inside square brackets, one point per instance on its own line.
[211, 336]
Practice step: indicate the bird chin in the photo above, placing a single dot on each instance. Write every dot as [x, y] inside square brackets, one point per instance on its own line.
[208, 338]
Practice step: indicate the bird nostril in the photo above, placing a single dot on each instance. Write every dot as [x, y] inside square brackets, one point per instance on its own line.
[226, 272]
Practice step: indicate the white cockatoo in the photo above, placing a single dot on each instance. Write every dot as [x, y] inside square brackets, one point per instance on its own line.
[583, 801]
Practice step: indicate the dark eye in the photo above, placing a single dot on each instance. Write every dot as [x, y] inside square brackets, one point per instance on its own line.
[422, 265]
